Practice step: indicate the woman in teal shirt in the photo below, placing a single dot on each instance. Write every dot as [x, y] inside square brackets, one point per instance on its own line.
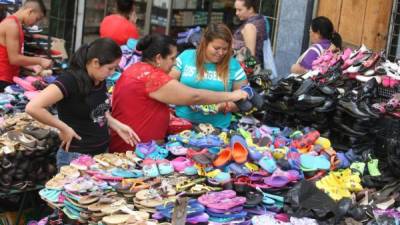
[210, 67]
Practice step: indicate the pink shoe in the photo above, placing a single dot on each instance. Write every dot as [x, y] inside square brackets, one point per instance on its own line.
[227, 203]
[215, 197]
[32, 79]
[83, 162]
[27, 86]
[346, 54]
[180, 163]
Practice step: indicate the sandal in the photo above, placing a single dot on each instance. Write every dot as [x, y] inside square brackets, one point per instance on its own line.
[200, 189]
[25, 139]
[37, 132]
[182, 186]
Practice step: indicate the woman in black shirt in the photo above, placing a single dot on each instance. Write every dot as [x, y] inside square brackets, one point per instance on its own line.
[82, 103]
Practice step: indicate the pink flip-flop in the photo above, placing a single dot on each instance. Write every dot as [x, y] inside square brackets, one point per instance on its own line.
[181, 163]
[27, 86]
[227, 203]
[281, 178]
[213, 197]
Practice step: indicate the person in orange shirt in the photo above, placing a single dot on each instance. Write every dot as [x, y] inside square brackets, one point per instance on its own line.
[12, 41]
[121, 26]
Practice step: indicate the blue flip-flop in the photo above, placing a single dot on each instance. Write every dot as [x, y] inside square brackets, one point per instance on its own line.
[267, 163]
[133, 173]
[312, 163]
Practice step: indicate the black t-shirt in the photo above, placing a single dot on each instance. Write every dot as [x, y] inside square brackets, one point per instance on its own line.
[84, 114]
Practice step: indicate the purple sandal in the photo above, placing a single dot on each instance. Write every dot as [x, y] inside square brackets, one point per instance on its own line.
[213, 197]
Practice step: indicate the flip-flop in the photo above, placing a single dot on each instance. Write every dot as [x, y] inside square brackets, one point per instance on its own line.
[268, 163]
[224, 156]
[116, 219]
[132, 173]
[239, 149]
[227, 203]
[312, 163]
[212, 197]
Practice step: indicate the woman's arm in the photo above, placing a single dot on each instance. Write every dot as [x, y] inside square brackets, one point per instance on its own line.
[249, 33]
[37, 108]
[298, 69]
[123, 130]
[176, 93]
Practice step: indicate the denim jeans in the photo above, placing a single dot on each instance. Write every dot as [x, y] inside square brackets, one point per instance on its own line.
[64, 158]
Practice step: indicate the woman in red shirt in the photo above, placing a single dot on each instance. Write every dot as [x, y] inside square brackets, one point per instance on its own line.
[142, 94]
[120, 26]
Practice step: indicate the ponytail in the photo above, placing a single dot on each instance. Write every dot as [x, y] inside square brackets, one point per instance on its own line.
[336, 40]
[324, 27]
[77, 68]
[103, 49]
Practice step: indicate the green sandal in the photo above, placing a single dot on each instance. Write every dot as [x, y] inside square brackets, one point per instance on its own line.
[373, 168]
[358, 167]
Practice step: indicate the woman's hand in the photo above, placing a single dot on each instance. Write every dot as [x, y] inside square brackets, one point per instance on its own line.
[127, 134]
[239, 95]
[66, 135]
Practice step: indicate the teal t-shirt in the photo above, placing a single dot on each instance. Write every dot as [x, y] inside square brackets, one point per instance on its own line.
[186, 64]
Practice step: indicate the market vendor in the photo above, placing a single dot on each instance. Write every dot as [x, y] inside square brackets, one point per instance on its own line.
[323, 37]
[121, 26]
[210, 67]
[142, 94]
[82, 103]
[12, 41]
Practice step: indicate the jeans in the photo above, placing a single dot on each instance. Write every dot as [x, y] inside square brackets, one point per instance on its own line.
[64, 158]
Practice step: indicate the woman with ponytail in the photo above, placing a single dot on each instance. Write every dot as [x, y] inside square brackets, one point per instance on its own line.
[323, 37]
[82, 103]
[142, 94]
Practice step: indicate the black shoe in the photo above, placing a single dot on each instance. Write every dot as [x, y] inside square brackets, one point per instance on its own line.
[305, 87]
[352, 108]
[278, 106]
[244, 105]
[369, 88]
[363, 106]
[327, 90]
[283, 87]
[328, 106]
[350, 131]
[311, 101]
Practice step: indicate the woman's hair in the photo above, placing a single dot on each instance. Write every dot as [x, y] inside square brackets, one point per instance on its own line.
[255, 4]
[324, 27]
[125, 7]
[213, 32]
[154, 44]
[103, 49]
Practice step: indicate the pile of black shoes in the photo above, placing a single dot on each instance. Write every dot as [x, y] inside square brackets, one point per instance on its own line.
[27, 153]
[304, 102]
[355, 123]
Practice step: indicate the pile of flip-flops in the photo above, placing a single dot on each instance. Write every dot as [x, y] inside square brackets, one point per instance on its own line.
[229, 176]
[26, 153]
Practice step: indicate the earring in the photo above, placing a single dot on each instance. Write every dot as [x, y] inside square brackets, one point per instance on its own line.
[158, 64]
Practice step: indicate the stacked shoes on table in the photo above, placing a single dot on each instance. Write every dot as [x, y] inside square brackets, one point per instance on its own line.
[26, 153]
[16, 96]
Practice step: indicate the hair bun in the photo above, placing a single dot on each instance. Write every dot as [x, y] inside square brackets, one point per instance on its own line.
[144, 43]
